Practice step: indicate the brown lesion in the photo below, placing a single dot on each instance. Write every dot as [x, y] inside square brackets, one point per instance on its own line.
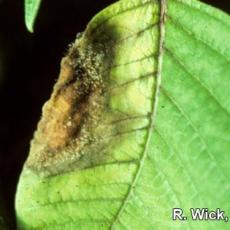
[73, 110]
[63, 114]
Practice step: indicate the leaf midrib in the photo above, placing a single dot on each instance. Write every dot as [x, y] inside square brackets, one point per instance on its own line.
[162, 5]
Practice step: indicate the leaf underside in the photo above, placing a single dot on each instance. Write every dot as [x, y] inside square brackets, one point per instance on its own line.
[169, 79]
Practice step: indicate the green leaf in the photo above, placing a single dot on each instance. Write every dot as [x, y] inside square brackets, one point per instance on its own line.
[31, 11]
[162, 136]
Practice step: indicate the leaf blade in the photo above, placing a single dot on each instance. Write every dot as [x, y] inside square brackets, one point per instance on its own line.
[31, 10]
[182, 166]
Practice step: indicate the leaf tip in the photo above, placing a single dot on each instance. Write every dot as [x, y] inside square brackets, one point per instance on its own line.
[31, 10]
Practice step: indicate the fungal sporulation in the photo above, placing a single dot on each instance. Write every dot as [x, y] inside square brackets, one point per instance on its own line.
[73, 112]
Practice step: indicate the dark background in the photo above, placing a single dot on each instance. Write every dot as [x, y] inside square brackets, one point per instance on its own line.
[29, 65]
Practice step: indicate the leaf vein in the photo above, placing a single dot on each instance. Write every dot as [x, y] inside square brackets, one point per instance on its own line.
[182, 112]
[185, 68]
[153, 114]
[177, 24]
[120, 13]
